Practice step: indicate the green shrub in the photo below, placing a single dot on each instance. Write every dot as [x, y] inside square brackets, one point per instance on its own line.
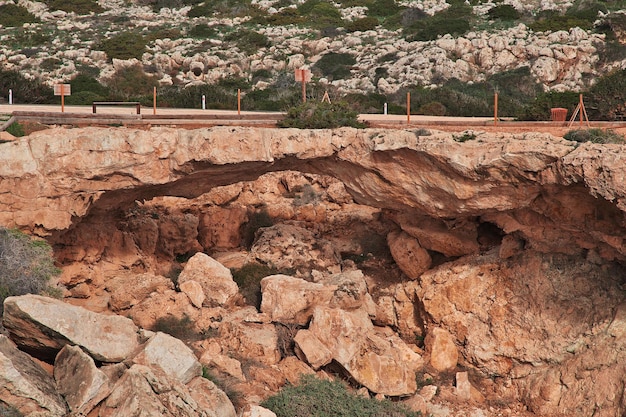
[553, 22]
[594, 135]
[16, 129]
[26, 265]
[256, 220]
[125, 45]
[362, 25]
[12, 15]
[454, 21]
[503, 12]
[313, 397]
[334, 66]
[180, 328]
[315, 115]
[203, 31]
[464, 137]
[434, 108]
[287, 16]
[248, 279]
[80, 7]
[88, 83]
[382, 8]
[320, 14]
[606, 99]
[131, 83]
[24, 90]
[540, 107]
[248, 41]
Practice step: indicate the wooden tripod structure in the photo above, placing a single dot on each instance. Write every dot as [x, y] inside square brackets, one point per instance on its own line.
[579, 110]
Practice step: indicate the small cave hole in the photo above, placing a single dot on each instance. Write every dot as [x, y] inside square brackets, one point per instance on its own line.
[489, 235]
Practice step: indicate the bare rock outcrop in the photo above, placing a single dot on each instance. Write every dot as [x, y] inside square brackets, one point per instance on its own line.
[157, 377]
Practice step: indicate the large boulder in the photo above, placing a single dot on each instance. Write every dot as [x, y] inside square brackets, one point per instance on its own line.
[375, 357]
[25, 385]
[216, 280]
[43, 326]
[410, 256]
[292, 300]
[148, 392]
[171, 355]
[78, 379]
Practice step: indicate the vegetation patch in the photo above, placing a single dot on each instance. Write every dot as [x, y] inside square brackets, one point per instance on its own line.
[13, 15]
[26, 265]
[595, 135]
[80, 7]
[179, 327]
[335, 66]
[313, 397]
[248, 279]
[125, 45]
[316, 115]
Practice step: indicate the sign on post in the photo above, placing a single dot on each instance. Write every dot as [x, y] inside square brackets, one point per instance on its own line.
[303, 75]
[62, 90]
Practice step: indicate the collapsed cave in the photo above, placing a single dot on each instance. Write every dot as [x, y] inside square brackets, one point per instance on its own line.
[508, 244]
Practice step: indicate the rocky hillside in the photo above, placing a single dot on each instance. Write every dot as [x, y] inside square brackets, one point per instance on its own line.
[458, 274]
[366, 47]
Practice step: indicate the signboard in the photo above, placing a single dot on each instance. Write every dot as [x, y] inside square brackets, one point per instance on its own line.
[62, 90]
[303, 75]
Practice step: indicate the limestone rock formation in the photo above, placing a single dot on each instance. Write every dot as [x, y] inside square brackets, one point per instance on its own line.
[215, 279]
[25, 385]
[160, 377]
[523, 289]
[43, 326]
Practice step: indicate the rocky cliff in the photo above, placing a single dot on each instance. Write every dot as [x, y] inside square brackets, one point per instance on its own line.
[390, 255]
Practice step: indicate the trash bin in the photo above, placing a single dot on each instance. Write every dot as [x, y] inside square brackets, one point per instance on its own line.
[558, 114]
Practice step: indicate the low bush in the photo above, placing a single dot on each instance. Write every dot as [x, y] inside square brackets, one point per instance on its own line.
[9, 411]
[131, 83]
[181, 328]
[382, 8]
[80, 7]
[13, 15]
[320, 14]
[315, 115]
[334, 65]
[248, 279]
[606, 99]
[553, 22]
[503, 12]
[248, 41]
[314, 397]
[540, 107]
[125, 45]
[434, 108]
[16, 129]
[595, 135]
[453, 20]
[362, 25]
[25, 90]
[26, 265]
